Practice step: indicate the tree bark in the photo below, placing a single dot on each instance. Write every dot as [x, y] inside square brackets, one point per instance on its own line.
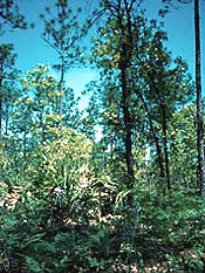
[61, 86]
[162, 105]
[125, 58]
[200, 131]
[154, 135]
[1, 114]
[165, 144]
[127, 120]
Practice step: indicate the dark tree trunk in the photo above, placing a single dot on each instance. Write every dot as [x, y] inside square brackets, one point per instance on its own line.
[61, 86]
[200, 133]
[154, 135]
[125, 59]
[7, 119]
[165, 145]
[162, 105]
[1, 102]
[127, 120]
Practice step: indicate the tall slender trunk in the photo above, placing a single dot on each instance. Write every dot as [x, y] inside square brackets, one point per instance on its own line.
[128, 129]
[164, 131]
[126, 48]
[154, 135]
[200, 133]
[7, 118]
[61, 86]
[165, 145]
[1, 102]
[7, 121]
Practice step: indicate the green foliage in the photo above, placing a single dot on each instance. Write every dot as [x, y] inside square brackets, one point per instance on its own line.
[183, 148]
[66, 201]
[62, 33]
[10, 15]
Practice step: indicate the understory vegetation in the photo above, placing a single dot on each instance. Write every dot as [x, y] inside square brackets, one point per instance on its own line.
[116, 187]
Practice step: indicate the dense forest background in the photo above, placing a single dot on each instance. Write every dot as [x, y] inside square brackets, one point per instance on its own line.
[120, 185]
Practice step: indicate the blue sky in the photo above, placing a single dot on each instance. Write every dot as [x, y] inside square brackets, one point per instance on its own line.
[31, 49]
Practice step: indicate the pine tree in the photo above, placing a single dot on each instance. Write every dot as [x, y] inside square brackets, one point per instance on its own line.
[199, 114]
[61, 32]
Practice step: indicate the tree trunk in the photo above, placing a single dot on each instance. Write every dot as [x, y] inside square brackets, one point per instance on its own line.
[1, 81]
[61, 86]
[154, 135]
[164, 131]
[128, 129]
[200, 133]
[165, 144]
[126, 48]
[7, 120]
